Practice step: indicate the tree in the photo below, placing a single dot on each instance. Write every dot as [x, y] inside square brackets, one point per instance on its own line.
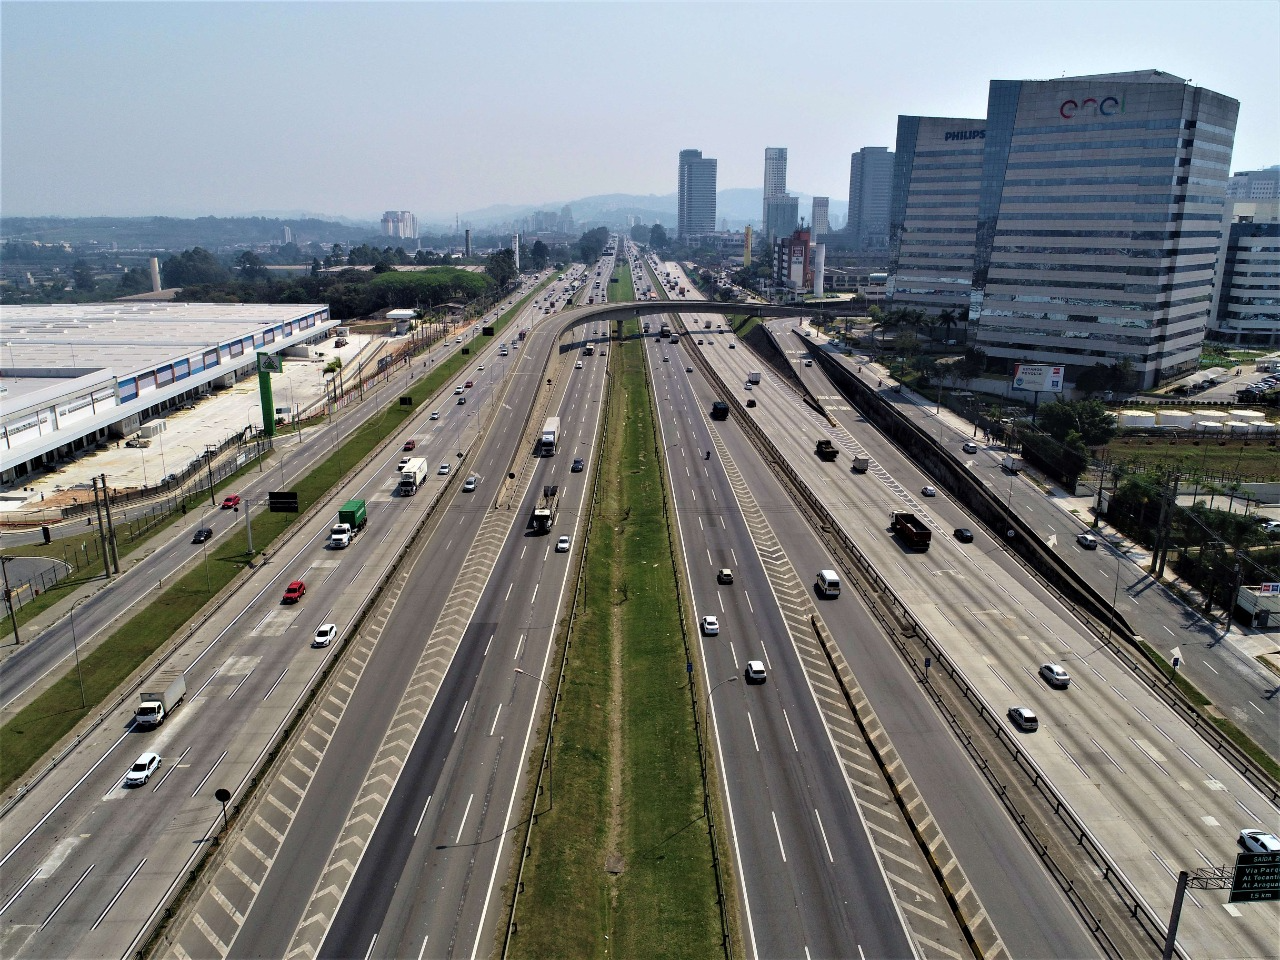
[82, 277]
[194, 266]
[501, 267]
[592, 243]
[315, 267]
[639, 233]
[135, 280]
[539, 253]
[250, 266]
[658, 238]
[972, 364]
[1089, 420]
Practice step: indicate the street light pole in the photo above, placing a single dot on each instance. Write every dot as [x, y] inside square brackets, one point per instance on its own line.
[8, 599]
[76, 647]
[707, 716]
[550, 736]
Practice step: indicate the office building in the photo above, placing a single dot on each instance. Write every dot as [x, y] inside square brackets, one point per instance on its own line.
[820, 220]
[781, 216]
[1255, 184]
[792, 267]
[399, 223]
[1099, 221]
[695, 195]
[933, 217]
[515, 248]
[775, 178]
[870, 191]
[1246, 302]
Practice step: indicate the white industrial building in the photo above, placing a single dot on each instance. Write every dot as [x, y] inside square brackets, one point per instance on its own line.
[75, 375]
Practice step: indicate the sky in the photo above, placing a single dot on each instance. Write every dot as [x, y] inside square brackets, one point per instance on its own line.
[350, 109]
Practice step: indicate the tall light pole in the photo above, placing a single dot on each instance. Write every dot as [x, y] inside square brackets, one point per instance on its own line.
[8, 598]
[209, 450]
[550, 735]
[707, 715]
[76, 647]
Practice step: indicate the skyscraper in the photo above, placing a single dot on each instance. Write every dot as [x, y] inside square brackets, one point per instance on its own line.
[1246, 308]
[819, 221]
[399, 223]
[1099, 221]
[775, 178]
[696, 195]
[781, 216]
[870, 187]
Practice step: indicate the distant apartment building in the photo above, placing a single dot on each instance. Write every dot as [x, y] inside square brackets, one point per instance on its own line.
[695, 195]
[820, 218]
[1246, 302]
[781, 216]
[933, 216]
[1255, 184]
[870, 191]
[286, 235]
[775, 178]
[399, 223]
[792, 265]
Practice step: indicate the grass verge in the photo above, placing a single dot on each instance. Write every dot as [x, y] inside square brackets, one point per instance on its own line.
[35, 729]
[620, 864]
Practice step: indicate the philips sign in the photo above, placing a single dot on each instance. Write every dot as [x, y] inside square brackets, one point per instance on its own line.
[965, 135]
[1089, 107]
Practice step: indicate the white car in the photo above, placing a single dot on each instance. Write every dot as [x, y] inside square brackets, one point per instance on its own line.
[1258, 841]
[970, 447]
[480, 369]
[142, 769]
[1087, 540]
[457, 391]
[755, 671]
[443, 471]
[469, 484]
[710, 625]
[562, 545]
[1055, 675]
[578, 365]
[435, 415]
[324, 635]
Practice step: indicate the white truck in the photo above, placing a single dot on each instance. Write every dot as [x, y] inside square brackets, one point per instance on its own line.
[549, 442]
[163, 694]
[1011, 463]
[754, 378]
[413, 475]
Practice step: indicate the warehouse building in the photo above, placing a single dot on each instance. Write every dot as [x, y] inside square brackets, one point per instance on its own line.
[73, 376]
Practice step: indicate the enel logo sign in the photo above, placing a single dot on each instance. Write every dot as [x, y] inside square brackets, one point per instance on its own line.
[1089, 107]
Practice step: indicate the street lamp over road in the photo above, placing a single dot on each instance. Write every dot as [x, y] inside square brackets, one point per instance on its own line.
[550, 735]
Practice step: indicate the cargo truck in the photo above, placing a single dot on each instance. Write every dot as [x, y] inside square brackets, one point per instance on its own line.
[545, 510]
[826, 450]
[861, 464]
[549, 442]
[1011, 463]
[352, 518]
[719, 410]
[753, 377]
[164, 692]
[412, 475]
[913, 531]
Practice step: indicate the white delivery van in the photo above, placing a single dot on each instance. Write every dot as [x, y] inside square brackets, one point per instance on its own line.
[828, 583]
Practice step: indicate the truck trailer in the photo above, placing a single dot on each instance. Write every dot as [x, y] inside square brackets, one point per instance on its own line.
[861, 464]
[413, 475]
[545, 510]
[754, 378]
[826, 450]
[549, 442]
[912, 530]
[719, 410]
[163, 694]
[352, 517]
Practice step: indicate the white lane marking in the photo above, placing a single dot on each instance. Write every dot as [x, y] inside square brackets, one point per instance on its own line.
[67, 897]
[734, 651]
[458, 838]
[1256, 707]
[534, 598]
[1209, 665]
[241, 683]
[276, 684]
[421, 817]
[753, 731]
[495, 720]
[778, 832]
[790, 731]
[9, 902]
[372, 943]
[519, 647]
[749, 606]
[107, 908]
[765, 652]
[823, 831]
[172, 767]
[510, 587]
[720, 600]
[461, 714]
[210, 773]
[488, 645]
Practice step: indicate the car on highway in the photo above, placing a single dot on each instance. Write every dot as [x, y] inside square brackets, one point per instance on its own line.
[970, 447]
[435, 415]
[562, 545]
[808, 363]
[688, 369]
[578, 365]
[404, 461]
[230, 502]
[963, 534]
[928, 492]
[480, 369]
[724, 575]
[294, 592]
[751, 402]
[325, 635]
[142, 769]
[202, 535]
[444, 470]
[470, 384]
[1055, 675]
[755, 672]
[1258, 841]
[410, 444]
[700, 343]
[666, 359]
[1087, 540]
[1024, 718]
[462, 401]
[733, 346]
[469, 484]
[457, 391]
[578, 465]
[710, 625]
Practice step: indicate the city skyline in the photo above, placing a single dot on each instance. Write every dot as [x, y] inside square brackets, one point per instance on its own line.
[316, 106]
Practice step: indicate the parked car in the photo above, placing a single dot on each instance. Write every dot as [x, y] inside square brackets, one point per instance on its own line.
[325, 635]
[294, 591]
[230, 502]
[1024, 718]
[142, 769]
[1055, 675]
[202, 535]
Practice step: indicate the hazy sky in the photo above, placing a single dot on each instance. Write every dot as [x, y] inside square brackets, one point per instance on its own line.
[354, 108]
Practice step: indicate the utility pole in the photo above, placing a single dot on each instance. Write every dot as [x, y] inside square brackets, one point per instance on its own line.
[8, 599]
[102, 533]
[111, 529]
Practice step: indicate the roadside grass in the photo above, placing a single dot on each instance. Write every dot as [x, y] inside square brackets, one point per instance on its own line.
[625, 288]
[624, 853]
[37, 728]
[743, 325]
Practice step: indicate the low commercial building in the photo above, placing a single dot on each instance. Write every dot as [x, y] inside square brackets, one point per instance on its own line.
[75, 375]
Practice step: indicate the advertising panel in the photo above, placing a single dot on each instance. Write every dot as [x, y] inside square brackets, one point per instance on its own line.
[1038, 376]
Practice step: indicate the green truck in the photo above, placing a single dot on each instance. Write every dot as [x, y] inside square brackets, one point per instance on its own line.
[352, 517]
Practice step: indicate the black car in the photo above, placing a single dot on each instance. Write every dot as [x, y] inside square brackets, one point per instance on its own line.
[461, 401]
[578, 465]
[964, 534]
[203, 534]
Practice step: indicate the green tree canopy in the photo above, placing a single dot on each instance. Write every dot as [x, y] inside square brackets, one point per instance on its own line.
[592, 243]
[658, 238]
[501, 267]
[1090, 420]
[539, 254]
[193, 266]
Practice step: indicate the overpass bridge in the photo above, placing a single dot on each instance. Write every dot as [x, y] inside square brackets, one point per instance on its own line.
[617, 312]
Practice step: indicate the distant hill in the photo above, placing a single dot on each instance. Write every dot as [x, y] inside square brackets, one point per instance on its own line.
[173, 233]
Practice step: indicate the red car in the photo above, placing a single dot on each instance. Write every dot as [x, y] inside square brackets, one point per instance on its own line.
[410, 444]
[231, 502]
[470, 384]
[294, 591]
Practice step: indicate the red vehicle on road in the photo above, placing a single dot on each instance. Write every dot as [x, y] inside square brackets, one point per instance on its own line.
[294, 591]
[230, 502]
[410, 444]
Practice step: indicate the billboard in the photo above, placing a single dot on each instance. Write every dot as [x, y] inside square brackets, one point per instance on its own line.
[1038, 376]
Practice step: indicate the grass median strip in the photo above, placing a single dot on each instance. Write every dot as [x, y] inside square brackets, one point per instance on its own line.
[620, 863]
[37, 727]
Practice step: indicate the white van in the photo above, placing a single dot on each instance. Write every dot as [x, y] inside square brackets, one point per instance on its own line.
[828, 583]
